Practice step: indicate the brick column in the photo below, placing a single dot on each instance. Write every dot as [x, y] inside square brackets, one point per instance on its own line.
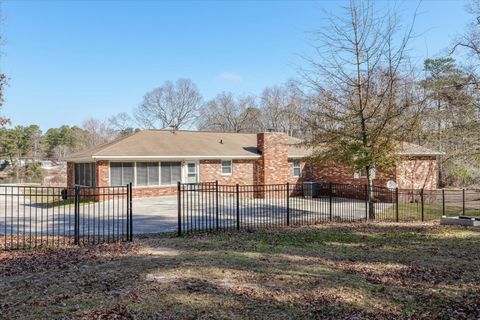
[273, 166]
[102, 171]
[70, 174]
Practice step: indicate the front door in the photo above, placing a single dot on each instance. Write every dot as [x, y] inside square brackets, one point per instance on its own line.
[192, 172]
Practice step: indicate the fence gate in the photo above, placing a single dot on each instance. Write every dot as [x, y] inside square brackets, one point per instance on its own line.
[33, 216]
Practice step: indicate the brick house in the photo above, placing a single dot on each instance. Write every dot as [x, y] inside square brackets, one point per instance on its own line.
[154, 160]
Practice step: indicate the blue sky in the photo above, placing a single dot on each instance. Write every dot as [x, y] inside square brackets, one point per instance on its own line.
[72, 60]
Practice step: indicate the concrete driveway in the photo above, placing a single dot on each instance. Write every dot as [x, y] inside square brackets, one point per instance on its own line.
[152, 215]
[160, 214]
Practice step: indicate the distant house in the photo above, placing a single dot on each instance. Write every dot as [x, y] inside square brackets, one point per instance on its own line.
[155, 160]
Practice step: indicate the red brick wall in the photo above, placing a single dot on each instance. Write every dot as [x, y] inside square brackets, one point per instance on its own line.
[273, 165]
[143, 192]
[243, 172]
[102, 173]
[417, 173]
[70, 174]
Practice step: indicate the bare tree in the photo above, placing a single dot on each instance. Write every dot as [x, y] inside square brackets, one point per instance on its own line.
[3, 80]
[96, 132]
[363, 90]
[470, 39]
[172, 105]
[227, 114]
[281, 108]
[122, 124]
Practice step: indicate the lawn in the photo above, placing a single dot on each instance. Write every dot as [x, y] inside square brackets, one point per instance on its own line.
[413, 211]
[383, 271]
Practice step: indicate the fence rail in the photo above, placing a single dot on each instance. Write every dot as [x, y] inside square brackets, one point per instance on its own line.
[54, 216]
[210, 206]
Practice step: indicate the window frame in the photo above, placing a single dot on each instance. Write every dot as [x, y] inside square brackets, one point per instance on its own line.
[122, 182]
[188, 173]
[148, 165]
[79, 176]
[183, 175]
[160, 172]
[230, 166]
[299, 167]
[359, 174]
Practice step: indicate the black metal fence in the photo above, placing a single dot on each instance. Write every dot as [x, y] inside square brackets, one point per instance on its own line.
[210, 206]
[54, 216]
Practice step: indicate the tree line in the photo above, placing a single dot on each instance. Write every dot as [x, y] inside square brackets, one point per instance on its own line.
[353, 101]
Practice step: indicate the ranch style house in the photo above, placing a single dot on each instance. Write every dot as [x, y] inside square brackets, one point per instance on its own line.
[155, 160]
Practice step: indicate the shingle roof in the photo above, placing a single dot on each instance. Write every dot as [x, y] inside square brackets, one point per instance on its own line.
[150, 144]
[411, 149]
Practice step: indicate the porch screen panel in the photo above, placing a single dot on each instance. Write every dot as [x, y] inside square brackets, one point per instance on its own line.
[153, 173]
[85, 174]
[128, 175]
[166, 173]
[142, 175]
[147, 173]
[176, 172]
[171, 173]
[115, 173]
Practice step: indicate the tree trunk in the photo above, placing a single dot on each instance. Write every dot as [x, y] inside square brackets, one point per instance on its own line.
[370, 197]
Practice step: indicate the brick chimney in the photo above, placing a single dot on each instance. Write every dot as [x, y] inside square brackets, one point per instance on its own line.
[273, 165]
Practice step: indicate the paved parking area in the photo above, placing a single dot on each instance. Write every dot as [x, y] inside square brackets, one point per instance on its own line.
[160, 214]
[151, 215]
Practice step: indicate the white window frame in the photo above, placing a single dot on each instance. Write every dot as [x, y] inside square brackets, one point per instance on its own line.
[358, 174]
[222, 166]
[134, 182]
[299, 167]
[159, 174]
[197, 171]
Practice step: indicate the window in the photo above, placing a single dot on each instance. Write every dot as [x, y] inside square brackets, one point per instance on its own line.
[227, 167]
[85, 174]
[171, 172]
[362, 173]
[192, 173]
[147, 173]
[121, 173]
[297, 168]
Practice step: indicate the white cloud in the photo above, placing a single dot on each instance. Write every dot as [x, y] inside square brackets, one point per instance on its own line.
[231, 76]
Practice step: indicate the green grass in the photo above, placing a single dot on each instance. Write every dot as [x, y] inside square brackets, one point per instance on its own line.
[45, 201]
[413, 211]
[376, 270]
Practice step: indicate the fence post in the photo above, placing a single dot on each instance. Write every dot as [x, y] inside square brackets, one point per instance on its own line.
[396, 204]
[216, 204]
[422, 202]
[443, 202]
[130, 204]
[463, 201]
[288, 204]
[330, 201]
[238, 206]
[77, 215]
[179, 208]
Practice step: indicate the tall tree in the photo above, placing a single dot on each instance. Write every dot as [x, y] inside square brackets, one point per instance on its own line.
[97, 132]
[3, 83]
[122, 124]
[3, 79]
[281, 108]
[228, 114]
[469, 41]
[363, 90]
[451, 120]
[173, 105]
